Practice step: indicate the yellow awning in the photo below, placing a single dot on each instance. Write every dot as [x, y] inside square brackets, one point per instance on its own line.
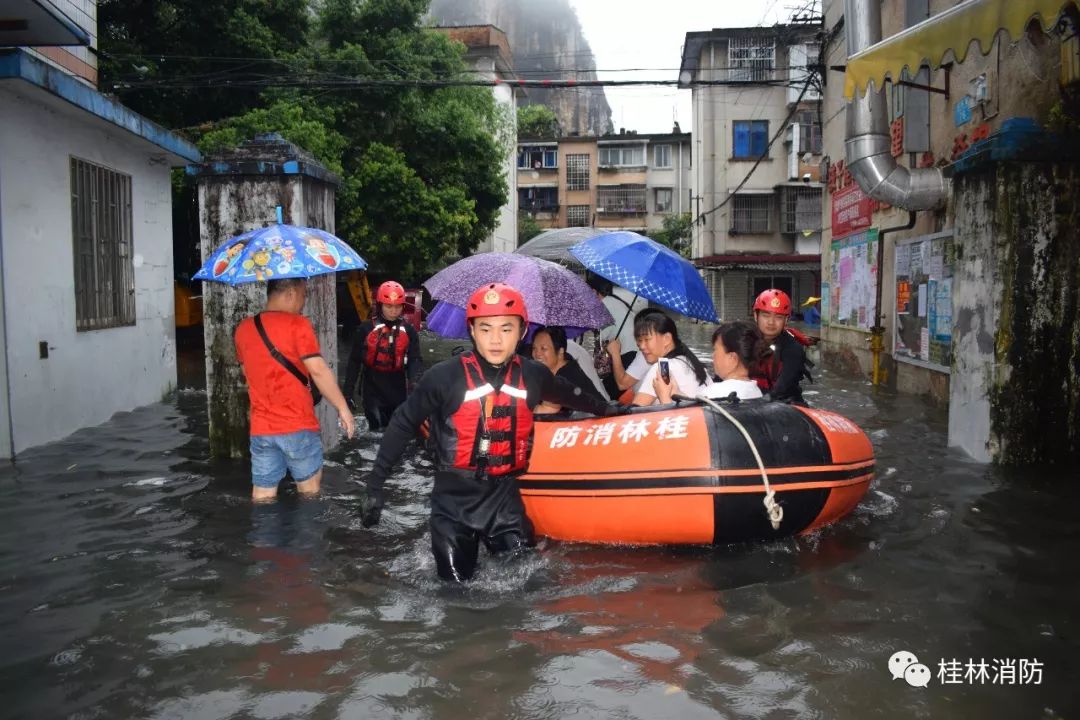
[949, 32]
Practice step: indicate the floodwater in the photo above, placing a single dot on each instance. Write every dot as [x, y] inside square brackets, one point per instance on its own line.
[138, 581]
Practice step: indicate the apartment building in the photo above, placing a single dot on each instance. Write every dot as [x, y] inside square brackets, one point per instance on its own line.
[757, 147]
[86, 282]
[619, 182]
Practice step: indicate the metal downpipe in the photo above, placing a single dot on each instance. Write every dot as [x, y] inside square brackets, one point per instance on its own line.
[867, 140]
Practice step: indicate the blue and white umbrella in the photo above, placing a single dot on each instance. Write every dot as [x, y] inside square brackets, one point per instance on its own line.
[653, 271]
[277, 252]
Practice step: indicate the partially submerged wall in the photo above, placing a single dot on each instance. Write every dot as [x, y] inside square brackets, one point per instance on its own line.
[238, 192]
[1016, 376]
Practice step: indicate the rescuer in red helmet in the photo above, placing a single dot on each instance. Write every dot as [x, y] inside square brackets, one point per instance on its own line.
[784, 363]
[385, 356]
[480, 405]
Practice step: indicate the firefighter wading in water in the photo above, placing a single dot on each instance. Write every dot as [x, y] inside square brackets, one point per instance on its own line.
[386, 354]
[481, 409]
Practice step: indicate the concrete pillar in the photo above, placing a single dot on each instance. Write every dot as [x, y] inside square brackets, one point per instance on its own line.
[239, 191]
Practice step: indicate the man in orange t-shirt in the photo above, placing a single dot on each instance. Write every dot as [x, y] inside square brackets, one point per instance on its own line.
[284, 429]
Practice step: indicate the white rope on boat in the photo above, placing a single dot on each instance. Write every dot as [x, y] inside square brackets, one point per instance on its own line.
[772, 508]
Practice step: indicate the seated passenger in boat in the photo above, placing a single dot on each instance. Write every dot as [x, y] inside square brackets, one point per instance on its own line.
[737, 346]
[658, 339]
[549, 348]
[629, 377]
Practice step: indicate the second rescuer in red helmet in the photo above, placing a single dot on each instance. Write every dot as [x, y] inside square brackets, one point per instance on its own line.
[480, 405]
[385, 357]
[784, 363]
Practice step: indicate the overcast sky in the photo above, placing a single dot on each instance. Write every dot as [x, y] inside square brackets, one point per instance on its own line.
[650, 34]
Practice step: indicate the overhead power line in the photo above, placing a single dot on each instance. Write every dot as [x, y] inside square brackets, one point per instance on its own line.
[372, 83]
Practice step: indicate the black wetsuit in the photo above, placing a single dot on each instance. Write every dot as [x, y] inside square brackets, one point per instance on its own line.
[381, 391]
[470, 506]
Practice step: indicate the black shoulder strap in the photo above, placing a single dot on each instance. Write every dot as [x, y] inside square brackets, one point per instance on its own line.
[276, 354]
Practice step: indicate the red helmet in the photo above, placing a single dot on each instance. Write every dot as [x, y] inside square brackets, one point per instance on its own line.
[390, 293]
[774, 301]
[496, 299]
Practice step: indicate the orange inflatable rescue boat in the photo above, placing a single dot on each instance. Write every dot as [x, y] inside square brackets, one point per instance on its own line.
[690, 474]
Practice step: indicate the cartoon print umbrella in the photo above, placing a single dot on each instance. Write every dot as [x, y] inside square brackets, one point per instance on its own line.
[553, 295]
[277, 252]
[653, 271]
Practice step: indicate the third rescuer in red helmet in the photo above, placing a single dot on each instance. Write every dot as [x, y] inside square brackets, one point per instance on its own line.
[784, 363]
[481, 409]
[386, 353]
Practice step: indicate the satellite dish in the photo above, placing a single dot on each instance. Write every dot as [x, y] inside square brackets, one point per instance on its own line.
[685, 77]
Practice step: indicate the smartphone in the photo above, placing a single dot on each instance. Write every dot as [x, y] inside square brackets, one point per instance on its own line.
[664, 372]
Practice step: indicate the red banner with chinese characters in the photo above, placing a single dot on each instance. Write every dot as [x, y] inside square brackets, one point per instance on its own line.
[852, 211]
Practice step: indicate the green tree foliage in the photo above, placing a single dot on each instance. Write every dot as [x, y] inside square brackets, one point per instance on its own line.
[208, 42]
[676, 233]
[537, 121]
[528, 228]
[422, 169]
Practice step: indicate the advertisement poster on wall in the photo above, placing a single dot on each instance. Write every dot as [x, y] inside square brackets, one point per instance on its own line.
[852, 281]
[924, 276]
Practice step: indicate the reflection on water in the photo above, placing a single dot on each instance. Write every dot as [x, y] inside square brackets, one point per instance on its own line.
[137, 580]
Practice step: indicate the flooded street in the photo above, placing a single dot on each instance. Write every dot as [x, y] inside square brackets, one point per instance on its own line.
[138, 581]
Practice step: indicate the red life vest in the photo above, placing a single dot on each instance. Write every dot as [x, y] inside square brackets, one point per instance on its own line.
[767, 370]
[385, 349]
[501, 418]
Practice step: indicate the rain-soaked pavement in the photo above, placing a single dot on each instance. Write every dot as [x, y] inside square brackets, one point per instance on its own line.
[138, 581]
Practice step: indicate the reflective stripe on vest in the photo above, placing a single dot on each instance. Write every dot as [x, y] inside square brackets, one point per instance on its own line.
[502, 418]
[385, 351]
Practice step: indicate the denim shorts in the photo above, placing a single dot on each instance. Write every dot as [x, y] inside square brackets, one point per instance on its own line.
[271, 455]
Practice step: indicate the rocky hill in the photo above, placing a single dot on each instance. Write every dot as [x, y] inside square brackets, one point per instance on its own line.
[547, 42]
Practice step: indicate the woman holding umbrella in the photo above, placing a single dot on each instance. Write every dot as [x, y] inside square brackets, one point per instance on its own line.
[481, 406]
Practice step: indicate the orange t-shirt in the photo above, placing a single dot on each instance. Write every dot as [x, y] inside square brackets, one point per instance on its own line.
[280, 403]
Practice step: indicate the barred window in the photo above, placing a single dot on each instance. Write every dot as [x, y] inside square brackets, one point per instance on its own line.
[751, 59]
[751, 214]
[102, 243]
[577, 216]
[577, 172]
[801, 209]
[663, 200]
[620, 199]
[622, 155]
[662, 156]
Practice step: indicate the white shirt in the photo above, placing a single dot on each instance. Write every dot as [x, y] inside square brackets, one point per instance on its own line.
[638, 369]
[743, 389]
[585, 360]
[619, 310]
[682, 374]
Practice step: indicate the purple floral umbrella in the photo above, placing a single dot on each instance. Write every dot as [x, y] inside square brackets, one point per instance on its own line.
[553, 295]
[449, 321]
